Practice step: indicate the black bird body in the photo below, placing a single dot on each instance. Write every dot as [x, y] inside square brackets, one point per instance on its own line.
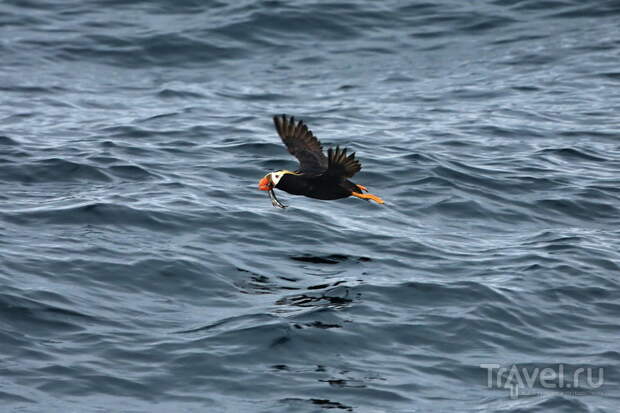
[318, 176]
[318, 187]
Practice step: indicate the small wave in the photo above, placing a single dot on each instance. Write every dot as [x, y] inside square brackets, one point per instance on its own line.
[329, 259]
[98, 213]
[603, 8]
[133, 52]
[574, 154]
[179, 94]
[6, 141]
[583, 209]
[132, 172]
[35, 316]
[52, 170]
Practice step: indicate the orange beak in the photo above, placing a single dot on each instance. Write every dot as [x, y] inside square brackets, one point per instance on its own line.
[265, 184]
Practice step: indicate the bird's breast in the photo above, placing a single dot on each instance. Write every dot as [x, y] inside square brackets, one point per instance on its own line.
[295, 184]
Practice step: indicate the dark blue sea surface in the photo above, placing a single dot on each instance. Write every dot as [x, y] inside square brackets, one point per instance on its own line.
[141, 269]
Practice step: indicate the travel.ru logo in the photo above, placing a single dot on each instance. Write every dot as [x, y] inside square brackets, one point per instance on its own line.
[580, 380]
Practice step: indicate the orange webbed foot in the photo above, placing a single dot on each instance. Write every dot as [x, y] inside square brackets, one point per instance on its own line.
[368, 197]
[362, 188]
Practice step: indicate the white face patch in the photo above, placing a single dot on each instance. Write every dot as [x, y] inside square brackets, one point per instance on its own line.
[276, 176]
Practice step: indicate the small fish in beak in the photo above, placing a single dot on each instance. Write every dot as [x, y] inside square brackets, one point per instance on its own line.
[274, 200]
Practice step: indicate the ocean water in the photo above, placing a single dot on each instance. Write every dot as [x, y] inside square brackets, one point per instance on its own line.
[141, 270]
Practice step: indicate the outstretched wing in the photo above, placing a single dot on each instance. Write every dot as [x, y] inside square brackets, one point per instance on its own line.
[302, 144]
[339, 165]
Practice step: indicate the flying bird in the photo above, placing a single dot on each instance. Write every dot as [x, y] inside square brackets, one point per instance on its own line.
[318, 176]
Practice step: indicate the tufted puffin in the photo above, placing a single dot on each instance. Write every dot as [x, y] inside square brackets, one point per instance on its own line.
[318, 176]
